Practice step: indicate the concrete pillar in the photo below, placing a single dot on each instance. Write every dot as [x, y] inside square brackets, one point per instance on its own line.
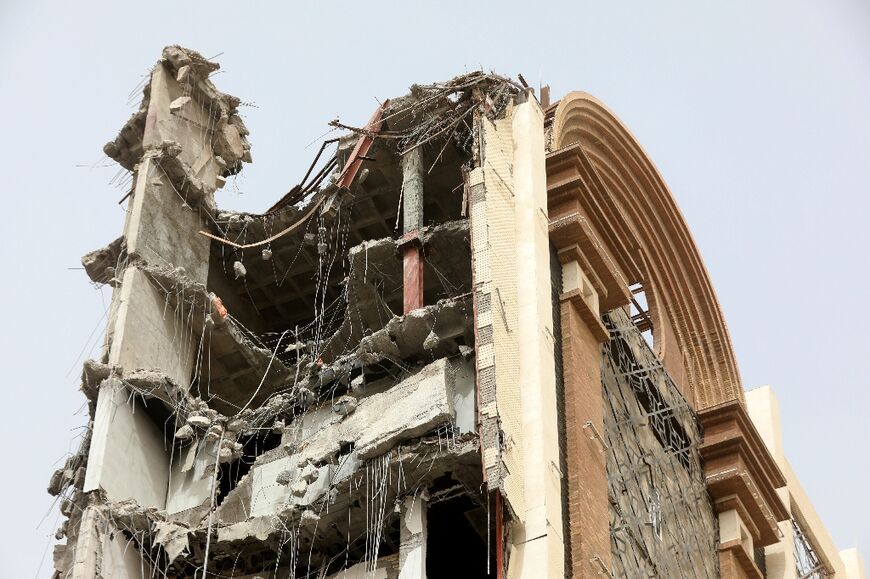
[412, 219]
[102, 550]
[412, 190]
[127, 458]
[538, 544]
[413, 535]
[87, 546]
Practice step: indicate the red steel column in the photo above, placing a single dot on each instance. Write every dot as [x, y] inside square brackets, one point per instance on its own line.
[412, 223]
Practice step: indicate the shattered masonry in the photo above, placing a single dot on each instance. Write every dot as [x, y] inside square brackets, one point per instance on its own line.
[427, 359]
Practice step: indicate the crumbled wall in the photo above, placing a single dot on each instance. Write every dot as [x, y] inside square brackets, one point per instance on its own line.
[215, 442]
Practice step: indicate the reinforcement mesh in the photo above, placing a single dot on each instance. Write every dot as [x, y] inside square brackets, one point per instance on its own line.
[661, 520]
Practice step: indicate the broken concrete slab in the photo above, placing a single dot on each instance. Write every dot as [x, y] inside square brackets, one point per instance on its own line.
[412, 407]
[102, 265]
[190, 478]
[269, 497]
[172, 537]
[127, 458]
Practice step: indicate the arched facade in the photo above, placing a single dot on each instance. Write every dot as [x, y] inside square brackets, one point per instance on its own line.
[617, 229]
[625, 199]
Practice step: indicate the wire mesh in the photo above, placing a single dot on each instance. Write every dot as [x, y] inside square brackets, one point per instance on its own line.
[661, 520]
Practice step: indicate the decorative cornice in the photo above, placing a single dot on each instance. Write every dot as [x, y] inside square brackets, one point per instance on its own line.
[743, 559]
[598, 170]
[741, 473]
[576, 239]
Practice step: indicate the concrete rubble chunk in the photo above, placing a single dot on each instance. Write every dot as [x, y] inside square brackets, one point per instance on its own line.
[309, 473]
[239, 269]
[101, 264]
[93, 374]
[284, 477]
[55, 485]
[344, 405]
[178, 104]
[214, 432]
[174, 538]
[183, 74]
[431, 341]
[225, 455]
[184, 433]
[306, 397]
[178, 57]
[299, 488]
[198, 421]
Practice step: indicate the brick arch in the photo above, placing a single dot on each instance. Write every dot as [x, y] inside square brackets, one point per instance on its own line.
[644, 230]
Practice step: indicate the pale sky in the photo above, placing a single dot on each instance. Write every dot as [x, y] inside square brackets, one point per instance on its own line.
[756, 113]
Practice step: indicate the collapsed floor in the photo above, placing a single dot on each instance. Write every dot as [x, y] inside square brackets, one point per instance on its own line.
[292, 393]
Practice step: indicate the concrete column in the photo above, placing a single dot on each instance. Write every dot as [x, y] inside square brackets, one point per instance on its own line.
[412, 190]
[539, 544]
[412, 219]
[103, 551]
[87, 546]
[413, 535]
[127, 458]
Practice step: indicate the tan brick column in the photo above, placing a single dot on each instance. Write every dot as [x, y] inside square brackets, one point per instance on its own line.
[591, 283]
[588, 519]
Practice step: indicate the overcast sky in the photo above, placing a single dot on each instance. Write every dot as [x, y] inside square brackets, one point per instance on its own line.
[756, 113]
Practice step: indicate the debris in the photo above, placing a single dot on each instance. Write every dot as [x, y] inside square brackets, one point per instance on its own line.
[344, 405]
[198, 421]
[239, 269]
[225, 455]
[172, 537]
[185, 432]
[183, 74]
[219, 308]
[309, 473]
[294, 347]
[306, 397]
[431, 341]
[214, 432]
[299, 488]
[178, 104]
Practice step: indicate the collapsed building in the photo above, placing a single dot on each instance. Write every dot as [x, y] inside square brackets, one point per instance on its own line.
[476, 340]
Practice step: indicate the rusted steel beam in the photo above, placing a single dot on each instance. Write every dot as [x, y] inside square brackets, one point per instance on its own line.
[363, 145]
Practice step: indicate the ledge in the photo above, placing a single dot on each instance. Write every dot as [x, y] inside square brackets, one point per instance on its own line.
[586, 314]
[735, 548]
[740, 471]
[576, 239]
